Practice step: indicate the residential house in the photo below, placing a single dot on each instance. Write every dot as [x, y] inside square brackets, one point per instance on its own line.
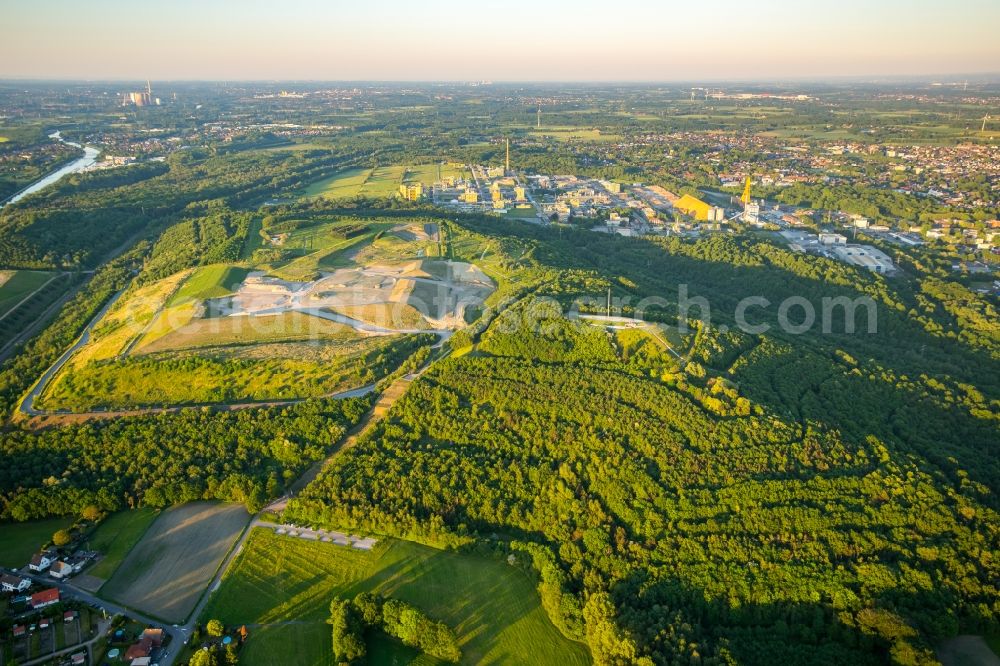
[45, 598]
[61, 570]
[11, 583]
[138, 651]
[40, 562]
[150, 639]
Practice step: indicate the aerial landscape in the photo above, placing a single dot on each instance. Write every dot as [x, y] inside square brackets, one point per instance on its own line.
[548, 334]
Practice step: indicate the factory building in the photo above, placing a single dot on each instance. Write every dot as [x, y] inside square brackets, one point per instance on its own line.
[864, 256]
[411, 191]
[699, 210]
[141, 97]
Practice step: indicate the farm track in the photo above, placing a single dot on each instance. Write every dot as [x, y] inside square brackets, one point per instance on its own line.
[180, 633]
[388, 398]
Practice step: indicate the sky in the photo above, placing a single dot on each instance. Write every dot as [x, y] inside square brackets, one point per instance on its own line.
[516, 40]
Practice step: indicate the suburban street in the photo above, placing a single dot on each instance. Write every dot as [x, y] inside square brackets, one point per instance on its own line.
[69, 591]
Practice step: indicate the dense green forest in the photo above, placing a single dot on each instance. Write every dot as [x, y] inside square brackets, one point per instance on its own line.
[806, 498]
[809, 497]
[244, 456]
[684, 493]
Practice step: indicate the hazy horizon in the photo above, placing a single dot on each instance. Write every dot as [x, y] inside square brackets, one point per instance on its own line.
[517, 41]
[943, 78]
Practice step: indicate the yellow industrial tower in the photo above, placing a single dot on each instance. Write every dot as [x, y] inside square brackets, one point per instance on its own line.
[746, 193]
[506, 169]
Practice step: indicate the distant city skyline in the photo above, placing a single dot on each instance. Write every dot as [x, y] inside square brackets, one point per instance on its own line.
[517, 40]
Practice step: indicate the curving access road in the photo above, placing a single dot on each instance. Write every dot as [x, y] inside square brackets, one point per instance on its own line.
[27, 404]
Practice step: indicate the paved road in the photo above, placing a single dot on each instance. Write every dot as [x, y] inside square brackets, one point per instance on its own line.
[69, 591]
[27, 405]
[88, 646]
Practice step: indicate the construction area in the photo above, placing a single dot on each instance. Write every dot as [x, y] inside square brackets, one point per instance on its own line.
[382, 299]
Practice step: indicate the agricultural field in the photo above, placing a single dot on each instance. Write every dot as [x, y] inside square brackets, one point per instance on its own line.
[278, 579]
[428, 174]
[19, 541]
[167, 571]
[341, 185]
[115, 537]
[15, 286]
[24, 297]
[381, 181]
[574, 134]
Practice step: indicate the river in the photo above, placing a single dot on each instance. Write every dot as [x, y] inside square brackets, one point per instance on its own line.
[89, 158]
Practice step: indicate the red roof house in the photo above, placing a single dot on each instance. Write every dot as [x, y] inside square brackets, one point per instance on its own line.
[151, 638]
[45, 598]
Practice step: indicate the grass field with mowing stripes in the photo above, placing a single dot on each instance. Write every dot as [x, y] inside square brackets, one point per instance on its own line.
[281, 587]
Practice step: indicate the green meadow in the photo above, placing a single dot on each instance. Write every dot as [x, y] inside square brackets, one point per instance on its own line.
[16, 285]
[19, 541]
[381, 181]
[116, 536]
[283, 585]
[209, 282]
